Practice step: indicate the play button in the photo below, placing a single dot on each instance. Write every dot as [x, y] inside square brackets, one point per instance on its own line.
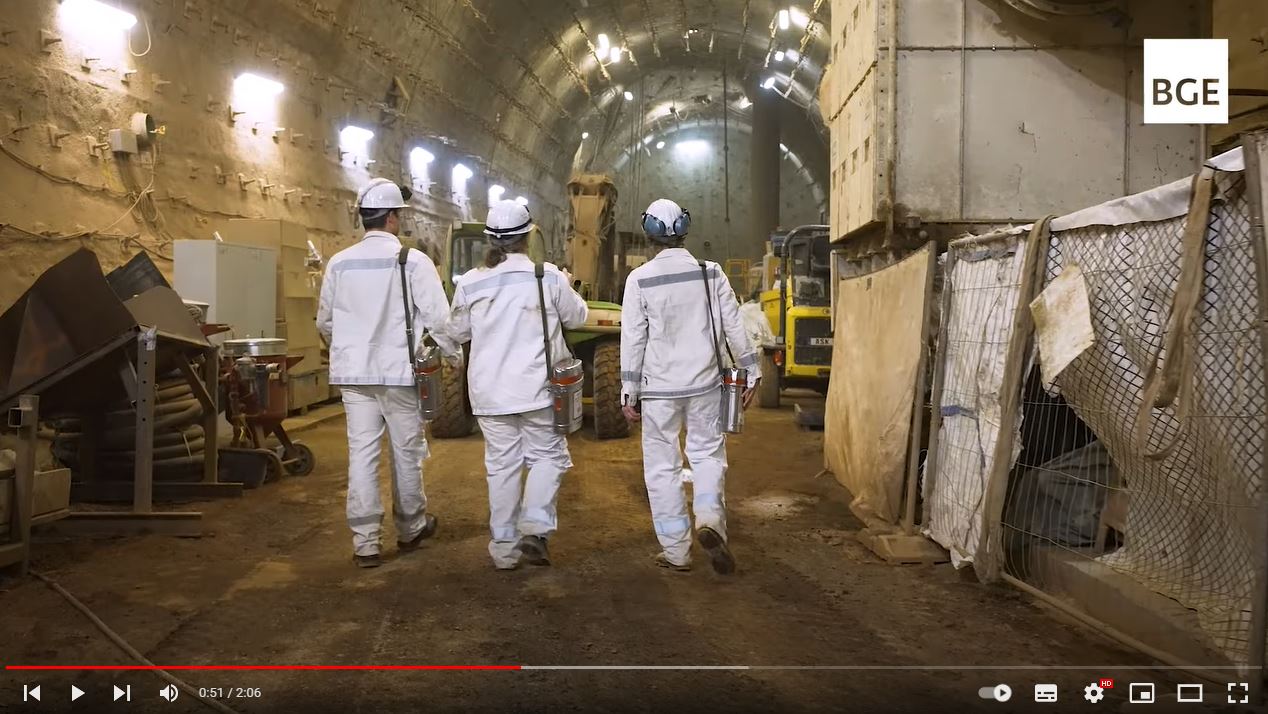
[75, 692]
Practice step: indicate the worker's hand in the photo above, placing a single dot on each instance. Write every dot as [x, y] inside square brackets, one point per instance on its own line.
[631, 414]
[750, 393]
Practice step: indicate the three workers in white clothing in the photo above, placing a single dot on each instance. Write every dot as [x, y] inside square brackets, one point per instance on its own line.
[671, 378]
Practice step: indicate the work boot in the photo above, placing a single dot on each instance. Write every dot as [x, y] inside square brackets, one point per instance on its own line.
[663, 561]
[719, 555]
[430, 524]
[533, 551]
[367, 561]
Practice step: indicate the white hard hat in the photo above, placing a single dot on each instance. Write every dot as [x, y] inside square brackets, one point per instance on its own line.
[508, 222]
[666, 221]
[381, 193]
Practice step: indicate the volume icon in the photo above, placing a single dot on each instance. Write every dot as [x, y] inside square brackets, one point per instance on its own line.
[169, 693]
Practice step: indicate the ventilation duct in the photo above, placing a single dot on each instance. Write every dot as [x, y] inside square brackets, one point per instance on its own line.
[1047, 9]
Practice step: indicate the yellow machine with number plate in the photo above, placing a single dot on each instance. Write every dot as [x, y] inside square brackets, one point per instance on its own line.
[798, 305]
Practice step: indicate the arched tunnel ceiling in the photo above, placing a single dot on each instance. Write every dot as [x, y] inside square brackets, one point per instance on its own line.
[547, 53]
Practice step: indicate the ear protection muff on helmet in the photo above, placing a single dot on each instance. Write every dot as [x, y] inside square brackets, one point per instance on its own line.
[656, 228]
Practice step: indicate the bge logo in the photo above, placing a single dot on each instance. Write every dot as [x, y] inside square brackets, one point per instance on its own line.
[1186, 82]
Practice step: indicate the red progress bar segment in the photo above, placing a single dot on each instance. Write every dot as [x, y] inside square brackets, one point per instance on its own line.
[258, 667]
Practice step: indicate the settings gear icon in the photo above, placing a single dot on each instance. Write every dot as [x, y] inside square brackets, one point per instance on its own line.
[1093, 693]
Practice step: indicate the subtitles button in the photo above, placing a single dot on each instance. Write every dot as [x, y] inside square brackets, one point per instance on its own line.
[1046, 693]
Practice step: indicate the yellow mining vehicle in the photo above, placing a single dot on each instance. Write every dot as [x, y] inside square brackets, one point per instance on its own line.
[798, 304]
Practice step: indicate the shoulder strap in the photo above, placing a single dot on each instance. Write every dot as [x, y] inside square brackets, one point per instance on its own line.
[401, 259]
[540, 271]
[713, 330]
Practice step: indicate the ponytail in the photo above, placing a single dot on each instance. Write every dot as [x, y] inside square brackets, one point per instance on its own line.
[494, 256]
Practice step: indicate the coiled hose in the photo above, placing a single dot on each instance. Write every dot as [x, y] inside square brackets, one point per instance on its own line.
[179, 442]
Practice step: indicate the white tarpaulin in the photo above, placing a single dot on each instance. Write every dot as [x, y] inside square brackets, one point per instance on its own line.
[985, 285]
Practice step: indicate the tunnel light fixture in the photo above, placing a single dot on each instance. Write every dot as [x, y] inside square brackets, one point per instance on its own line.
[792, 55]
[603, 44]
[785, 20]
[248, 85]
[769, 83]
[629, 96]
[783, 147]
[94, 13]
[660, 144]
[421, 157]
[779, 55]
[521, 200]
[692, 147]
[462, 173]
[799, 17]
[354, 139]
[585, 135]
[615, 55]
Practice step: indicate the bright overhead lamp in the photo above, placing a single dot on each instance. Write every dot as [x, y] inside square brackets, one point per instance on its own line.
[799, 18]
[629, 96]
[420, 156]
[660, 144]
[769, 83]
[692, 146]
[615, 56]
[585, 135]
[253, 85]
[792, 55]
[779, 55]
[783, 148]
[603, 43]
[354, 136]
[784, 20]
[98, 14]
[461, 172]
[521, 200]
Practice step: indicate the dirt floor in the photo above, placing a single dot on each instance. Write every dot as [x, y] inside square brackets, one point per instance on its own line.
[273, 584]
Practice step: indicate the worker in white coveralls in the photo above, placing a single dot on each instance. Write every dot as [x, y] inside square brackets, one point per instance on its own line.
[362, 315]
[499, 309]
[675, 308]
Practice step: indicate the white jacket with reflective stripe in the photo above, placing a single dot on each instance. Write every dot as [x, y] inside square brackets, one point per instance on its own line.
[666, 347]
[362, 315]
[498, 310]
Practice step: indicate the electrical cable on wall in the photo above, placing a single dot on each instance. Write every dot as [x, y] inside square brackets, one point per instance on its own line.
[149, 41]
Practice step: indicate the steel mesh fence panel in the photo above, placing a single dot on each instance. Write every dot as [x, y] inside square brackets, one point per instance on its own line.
[982, 290]
[1171, 497]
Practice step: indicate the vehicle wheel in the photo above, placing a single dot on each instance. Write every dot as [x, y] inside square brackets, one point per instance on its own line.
[609, 422]
[768, 388]
[273, 468]
[454, 420]
[303, 461]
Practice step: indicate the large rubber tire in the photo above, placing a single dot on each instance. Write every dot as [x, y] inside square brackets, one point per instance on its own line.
[609, 422]
[768, 388]
[455, 420]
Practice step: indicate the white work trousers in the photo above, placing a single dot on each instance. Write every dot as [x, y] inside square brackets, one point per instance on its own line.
[369, 409]
[663, 420]
[517, 508]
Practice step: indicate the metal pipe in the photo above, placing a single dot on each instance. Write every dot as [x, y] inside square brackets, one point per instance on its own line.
[1115, 634]
[726, 151]
[891, 157]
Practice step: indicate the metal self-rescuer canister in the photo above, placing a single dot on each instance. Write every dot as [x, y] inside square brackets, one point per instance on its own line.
[566, 380]
[427, 380]
[734, 382]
